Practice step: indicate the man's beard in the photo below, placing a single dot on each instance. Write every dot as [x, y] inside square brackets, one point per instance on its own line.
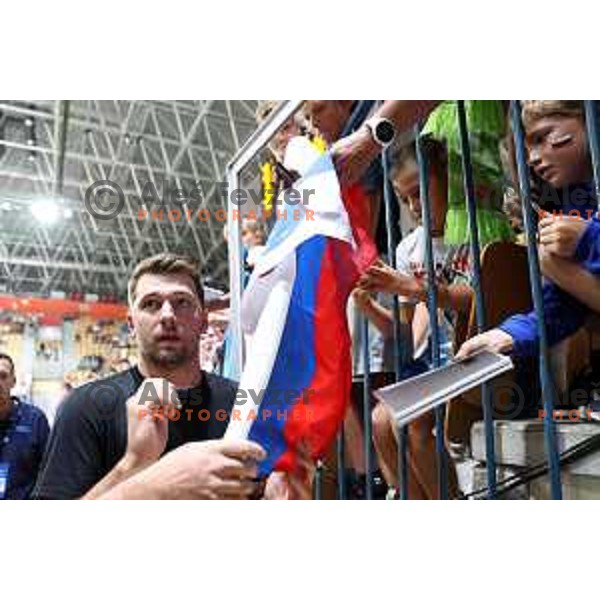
[163, 357]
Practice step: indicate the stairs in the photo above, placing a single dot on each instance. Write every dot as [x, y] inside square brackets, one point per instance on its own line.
[520, 444]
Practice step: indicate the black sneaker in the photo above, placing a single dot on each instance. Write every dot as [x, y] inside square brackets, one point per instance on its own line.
[357, 486]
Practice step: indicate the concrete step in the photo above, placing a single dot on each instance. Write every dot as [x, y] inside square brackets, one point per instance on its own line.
[520, 444]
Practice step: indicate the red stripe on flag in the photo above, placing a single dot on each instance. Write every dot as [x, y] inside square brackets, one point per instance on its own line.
[315, 419]
[360, 208]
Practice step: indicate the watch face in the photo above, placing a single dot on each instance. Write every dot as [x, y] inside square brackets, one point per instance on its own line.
[385, 132]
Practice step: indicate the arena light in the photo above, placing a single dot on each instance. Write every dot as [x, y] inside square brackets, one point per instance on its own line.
[46, 211]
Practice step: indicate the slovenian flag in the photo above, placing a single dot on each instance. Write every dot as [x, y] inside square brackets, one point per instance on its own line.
[297, 377]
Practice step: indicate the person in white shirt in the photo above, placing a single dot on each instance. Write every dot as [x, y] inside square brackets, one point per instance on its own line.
[409, 282]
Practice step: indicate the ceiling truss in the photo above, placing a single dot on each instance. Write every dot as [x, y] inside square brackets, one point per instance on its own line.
[57, 149]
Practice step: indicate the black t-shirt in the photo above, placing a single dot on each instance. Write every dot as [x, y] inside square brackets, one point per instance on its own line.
[90, 433]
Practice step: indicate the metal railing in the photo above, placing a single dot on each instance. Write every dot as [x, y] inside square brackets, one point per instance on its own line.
[261, 138]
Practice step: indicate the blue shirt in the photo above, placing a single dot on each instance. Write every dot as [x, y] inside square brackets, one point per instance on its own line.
[563, 313]
[22, 442]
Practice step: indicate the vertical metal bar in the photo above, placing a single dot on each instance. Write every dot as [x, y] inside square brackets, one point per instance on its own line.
[432, 305]
[548, 389]
[359, 114]
[402, 350]
[402, 434]
[61, 127]
[593, 134]
[236, 274]
[467, 166]
[318, 481]
[402, 353]
[253, 145]
[368, 425]
[341, 464]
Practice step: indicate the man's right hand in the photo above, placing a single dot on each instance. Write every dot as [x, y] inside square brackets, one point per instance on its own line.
[148, 422]
[213, 470]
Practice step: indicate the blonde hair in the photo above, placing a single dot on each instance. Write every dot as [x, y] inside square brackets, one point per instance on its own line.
[254, 227]
[534, 110]
[166, 263]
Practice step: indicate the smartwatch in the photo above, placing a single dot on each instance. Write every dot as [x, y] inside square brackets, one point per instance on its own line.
[382, 130]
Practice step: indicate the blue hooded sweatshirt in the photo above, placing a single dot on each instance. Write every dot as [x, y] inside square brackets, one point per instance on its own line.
[564, 314]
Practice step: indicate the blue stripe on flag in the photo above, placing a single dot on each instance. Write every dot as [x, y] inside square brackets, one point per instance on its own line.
[295, 364]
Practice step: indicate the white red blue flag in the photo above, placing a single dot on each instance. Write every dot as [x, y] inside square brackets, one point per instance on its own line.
[297, 377]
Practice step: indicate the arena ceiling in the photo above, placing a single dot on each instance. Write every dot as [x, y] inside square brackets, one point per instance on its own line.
[51, 152]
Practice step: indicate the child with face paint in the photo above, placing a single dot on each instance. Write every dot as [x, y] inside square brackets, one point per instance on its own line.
[569, 230]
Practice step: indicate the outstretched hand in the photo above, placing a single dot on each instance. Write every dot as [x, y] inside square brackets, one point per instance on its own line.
[353, 154]
[494, 340]
[382, 278]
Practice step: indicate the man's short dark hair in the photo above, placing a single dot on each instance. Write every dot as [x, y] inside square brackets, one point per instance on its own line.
[166, 263]
[9, 360]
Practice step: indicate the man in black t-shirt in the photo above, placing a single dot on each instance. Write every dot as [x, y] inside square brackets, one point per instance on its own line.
[154, 430]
